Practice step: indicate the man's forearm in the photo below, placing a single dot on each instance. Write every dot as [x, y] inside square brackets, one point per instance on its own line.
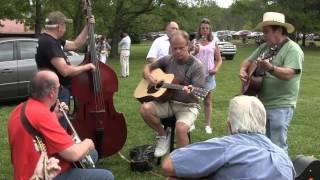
[81, 38]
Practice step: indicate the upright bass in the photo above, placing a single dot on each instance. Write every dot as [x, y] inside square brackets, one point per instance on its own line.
[94, 115]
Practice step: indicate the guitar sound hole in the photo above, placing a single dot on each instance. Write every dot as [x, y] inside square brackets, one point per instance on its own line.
[153, 89]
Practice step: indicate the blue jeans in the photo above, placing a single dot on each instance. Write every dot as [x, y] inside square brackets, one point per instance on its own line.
[86, 174]
[64, 96]
[210, 83]
[278, 120]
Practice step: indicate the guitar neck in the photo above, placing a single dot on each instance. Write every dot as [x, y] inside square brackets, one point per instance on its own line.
[172, 86]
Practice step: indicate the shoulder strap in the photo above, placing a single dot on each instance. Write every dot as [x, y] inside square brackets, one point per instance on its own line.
[26, 124]
[281, 45]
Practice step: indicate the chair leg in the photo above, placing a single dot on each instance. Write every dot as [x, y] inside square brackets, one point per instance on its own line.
[172, 138]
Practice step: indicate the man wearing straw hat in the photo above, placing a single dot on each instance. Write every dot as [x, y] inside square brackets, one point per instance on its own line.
[281, 80]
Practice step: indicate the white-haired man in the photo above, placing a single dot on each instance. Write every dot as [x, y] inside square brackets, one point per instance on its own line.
[281, 81]
[246, 154]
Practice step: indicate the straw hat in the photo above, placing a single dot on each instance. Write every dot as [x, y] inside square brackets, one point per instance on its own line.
[275, 18]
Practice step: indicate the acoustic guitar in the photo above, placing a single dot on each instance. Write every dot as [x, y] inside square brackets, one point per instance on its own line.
[255, 74]
[163, 90]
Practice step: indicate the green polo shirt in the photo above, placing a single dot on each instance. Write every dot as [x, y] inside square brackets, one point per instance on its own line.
[276, 92]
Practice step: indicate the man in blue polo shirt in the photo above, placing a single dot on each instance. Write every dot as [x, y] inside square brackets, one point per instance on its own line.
[246, 154]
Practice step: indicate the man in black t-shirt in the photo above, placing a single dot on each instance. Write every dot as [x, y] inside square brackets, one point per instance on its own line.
[50, 52]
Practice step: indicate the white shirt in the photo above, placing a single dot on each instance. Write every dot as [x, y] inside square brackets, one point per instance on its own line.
[125, 43]
[159, 48]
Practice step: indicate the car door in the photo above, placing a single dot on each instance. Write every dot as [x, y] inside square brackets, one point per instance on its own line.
[8, 71]
[26, 65]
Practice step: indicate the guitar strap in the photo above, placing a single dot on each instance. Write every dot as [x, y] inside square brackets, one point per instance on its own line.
[279, 47]
[189, 63]
[26, 124]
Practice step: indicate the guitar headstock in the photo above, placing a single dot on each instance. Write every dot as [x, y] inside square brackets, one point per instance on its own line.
[200, 93]
[39, 145]
[271, 52]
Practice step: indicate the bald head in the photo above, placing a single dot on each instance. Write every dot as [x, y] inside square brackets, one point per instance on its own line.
[171, 27]
[179, 36]
[42, 82]
[179, 44]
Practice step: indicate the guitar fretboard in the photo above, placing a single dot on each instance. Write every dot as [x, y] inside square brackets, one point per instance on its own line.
[172, 86]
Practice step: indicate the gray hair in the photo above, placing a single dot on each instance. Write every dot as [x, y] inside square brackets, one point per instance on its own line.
[41, 84]
[182, 34]
[247, 114]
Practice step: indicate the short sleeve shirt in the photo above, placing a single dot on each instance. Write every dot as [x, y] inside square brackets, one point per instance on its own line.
[159, 48]
[24, 157]
[206, 56]
[48, 49]
[189, 73]
[276, 92]
[239, 156]
[125, 43]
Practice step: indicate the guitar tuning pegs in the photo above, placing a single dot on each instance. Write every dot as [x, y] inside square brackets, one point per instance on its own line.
[36, 147]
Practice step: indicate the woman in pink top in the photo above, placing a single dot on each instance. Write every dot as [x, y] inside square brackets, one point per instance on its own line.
[209, 55]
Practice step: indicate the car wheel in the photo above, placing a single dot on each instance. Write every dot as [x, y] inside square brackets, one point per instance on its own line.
[230, 57]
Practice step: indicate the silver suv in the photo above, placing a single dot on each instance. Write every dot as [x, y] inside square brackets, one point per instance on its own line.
[17, 65]
[227, 49]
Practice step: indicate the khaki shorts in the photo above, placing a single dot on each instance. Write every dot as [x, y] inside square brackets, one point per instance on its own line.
[184, 112]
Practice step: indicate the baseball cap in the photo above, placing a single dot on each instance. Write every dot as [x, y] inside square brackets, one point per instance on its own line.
[55, 18]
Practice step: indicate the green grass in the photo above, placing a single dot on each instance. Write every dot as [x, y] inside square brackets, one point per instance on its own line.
[303, 132]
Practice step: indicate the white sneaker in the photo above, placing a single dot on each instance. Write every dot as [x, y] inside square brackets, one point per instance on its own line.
[208, 130]
[162, 146]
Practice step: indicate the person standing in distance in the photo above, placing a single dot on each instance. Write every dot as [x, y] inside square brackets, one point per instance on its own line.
[160, 46]
[124, 47]
[208, 53]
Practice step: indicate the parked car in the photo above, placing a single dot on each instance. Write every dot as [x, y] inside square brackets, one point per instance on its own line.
[227, 49]
[224, 35]
[255, 35]
[241, 34]
[17, 65]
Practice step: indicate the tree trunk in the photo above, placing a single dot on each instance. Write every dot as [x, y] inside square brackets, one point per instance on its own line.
[78, 21]
[114, 42]
[116, 30]
[37, 24]
[303, 39]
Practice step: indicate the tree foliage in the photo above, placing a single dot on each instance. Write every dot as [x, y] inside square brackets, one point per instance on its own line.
[303, 14]
[140, 16]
